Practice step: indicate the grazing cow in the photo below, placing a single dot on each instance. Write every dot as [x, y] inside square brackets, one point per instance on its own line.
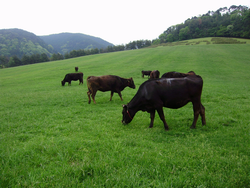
[146, 73]
[154, 74]
[177, 74]
[76, 69]
[166, 92]
[73, 76]
[107, 83]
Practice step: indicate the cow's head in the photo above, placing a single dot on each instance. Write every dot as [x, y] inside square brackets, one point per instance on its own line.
[63, 83]
[131, 83]
[126, 116]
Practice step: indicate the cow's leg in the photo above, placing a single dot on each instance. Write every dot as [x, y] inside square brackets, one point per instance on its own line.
[197, 111]
[152, 117]
[93, 95]
[89, 93]
[202, 113]
[69, 83]
[119, 93]
[81, 81]
[112, 93]
[161, 114]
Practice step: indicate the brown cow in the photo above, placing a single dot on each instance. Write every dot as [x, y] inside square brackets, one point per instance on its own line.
[76, 69]
[174, 74]
[154, 74]
[145, 73]
[73, 76]
[107, 83]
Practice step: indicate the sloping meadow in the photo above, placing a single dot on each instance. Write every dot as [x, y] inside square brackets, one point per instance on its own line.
[51, 137]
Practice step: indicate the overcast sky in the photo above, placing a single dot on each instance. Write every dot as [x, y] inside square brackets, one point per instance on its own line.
[116, 21]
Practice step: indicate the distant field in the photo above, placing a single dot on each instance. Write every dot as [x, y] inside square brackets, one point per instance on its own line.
[51, 137]
[208, 40]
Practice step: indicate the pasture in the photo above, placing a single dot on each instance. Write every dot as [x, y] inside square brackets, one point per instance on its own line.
[51, 137]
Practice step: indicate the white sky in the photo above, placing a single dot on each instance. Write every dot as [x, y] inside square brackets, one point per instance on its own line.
[116, 21]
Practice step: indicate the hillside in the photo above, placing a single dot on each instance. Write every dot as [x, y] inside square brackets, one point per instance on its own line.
[224, 22]
[66, 42]
[51, 137]
[17, 42]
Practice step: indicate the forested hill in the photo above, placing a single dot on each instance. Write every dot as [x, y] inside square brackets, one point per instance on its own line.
[225, 22]
[19, 42]
[66, 42]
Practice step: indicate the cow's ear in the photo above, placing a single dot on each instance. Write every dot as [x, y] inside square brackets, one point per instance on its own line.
[124, 106]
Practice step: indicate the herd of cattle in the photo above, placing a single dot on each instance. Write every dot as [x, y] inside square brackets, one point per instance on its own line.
[173, 90]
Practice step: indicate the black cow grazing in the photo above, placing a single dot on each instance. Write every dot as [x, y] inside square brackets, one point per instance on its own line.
[147, 73]
[174, 74]
[154, 74]
[166, 92]
[73, 76]
[76, 69]
[107, 83]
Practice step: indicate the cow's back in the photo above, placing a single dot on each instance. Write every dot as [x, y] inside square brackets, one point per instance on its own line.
[103, 83]
[174, 74]
[168, 92]
[154, 74]
[74, 76]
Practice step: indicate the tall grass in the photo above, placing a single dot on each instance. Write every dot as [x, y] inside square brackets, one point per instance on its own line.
[51, 137]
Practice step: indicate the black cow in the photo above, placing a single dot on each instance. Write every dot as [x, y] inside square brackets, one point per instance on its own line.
[73, 76]
[166, 92]
[146, 73]
[154, 74]
[174, 74]
[107, 83]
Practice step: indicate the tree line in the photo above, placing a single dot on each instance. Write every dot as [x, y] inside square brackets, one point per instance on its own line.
[39, 58]
[25, 60]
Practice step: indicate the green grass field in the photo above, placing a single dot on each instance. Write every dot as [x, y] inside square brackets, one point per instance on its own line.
[51, 137]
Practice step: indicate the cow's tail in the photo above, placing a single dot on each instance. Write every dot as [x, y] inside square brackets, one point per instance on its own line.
[88, 84]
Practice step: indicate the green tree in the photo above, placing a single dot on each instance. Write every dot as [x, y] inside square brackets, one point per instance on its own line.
[3, 61]
[57, 56]
[222, 32]
[44, 58]
[35, 58]
[66, 55]
[26, 59]
[14, 61]
[163, 37]
[94, 51]
[156, 41]
[170, 38]
[184, 33]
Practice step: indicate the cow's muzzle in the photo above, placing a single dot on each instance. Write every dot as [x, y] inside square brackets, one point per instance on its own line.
[123, 122]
